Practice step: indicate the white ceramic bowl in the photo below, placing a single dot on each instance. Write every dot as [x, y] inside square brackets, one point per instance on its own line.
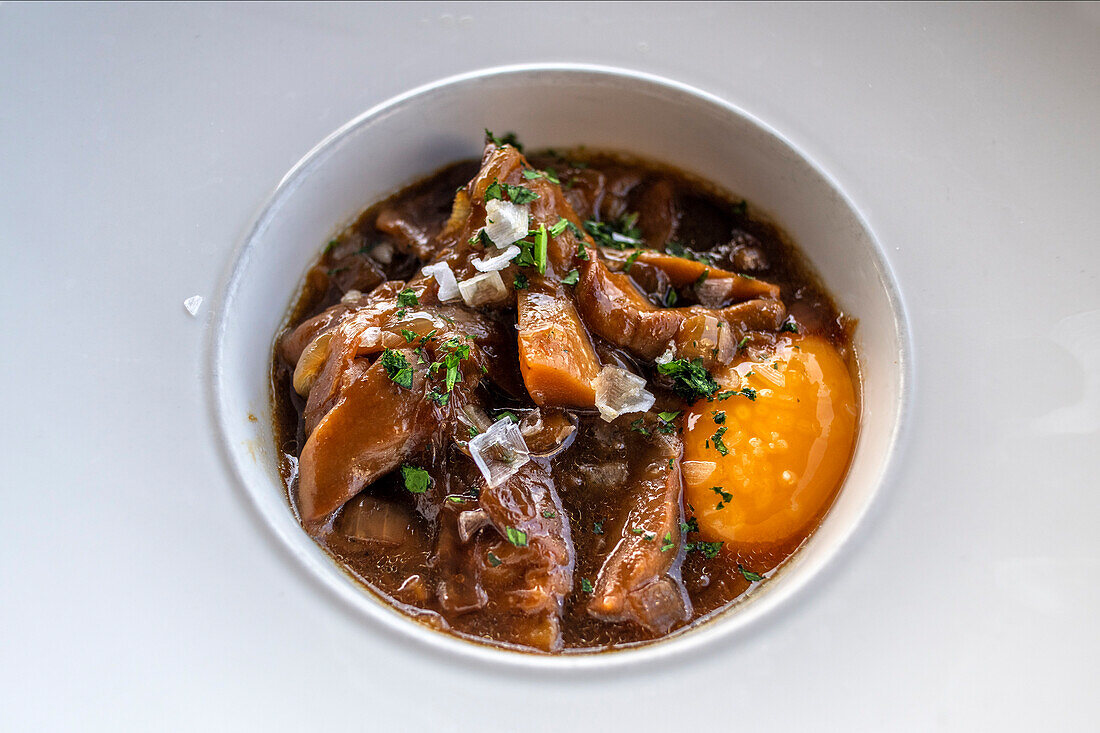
[557, 105]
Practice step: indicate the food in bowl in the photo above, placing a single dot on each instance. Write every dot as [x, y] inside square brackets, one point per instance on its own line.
[568, 402]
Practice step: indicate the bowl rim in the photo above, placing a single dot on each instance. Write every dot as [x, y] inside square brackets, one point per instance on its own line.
[766, 607]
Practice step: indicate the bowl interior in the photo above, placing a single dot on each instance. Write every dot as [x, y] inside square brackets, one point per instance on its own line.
[414, 135]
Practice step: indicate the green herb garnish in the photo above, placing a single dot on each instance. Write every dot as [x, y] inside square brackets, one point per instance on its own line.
[519, 194]
[631, 260]
[586, 585]
[571, 278]
[668, 544]
[560, 227]
[407, 297]
[520, 281]
[397, 368]
[726, 496]
[690, 379]
[597, 528]
[508, 138]
[493, 560]
[638, 426]
[516, 536]
[417, 479]
[719, 445]
[790, 326]
[749, 575]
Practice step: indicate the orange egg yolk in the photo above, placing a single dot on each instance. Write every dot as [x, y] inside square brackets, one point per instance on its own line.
[762, 466]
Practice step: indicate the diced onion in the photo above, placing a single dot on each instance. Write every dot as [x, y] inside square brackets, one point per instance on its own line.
[499, 452]
[444, 279]
[351, 296]
[192, 304]
[496, 262]
[382, 252]
[668, 355]
[714, 292]
[484, 288]
[619, 392]
[696, 472]
[505, 222]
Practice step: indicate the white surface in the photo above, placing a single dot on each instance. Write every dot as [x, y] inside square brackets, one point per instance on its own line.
[139, 590]
[376, 153]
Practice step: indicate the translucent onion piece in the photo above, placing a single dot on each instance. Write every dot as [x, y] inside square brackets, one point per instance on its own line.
[505, 222]
[487, 287]
[714, 292]
[669, 355]
[382, 252]
[619, 392]
[496, 262]
[444, 279]
[469, 522]
[499, 452]
[192, 304]
[696, 472]
[351, 296]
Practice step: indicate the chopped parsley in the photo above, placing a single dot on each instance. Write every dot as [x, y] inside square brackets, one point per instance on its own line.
[474, 432]
[540, 248]
[494, 191]
[560, 227]
[719, 445]
[519, 194]
[493, 560]
[407, 297]
[531, 175]
[631, 260]
[726, 394]
[508, 414]
[546, 513]
[727, 497]
[417, 479]
[690, 379]
[622, 233]
[397, 368]
[439, 399]
[719, 416]
[410, 336]
[586, 585]
[597, 528]
[668, 544]
[638, 426]
[670, 298]
[702, 278]
[520, 281]
[571, 278]
[790, 326]
[666, 425]
[709, 550]
[749, 575]
[508, 138]
[741, 344]
[516, 536]
[691, 525]
[482, 238]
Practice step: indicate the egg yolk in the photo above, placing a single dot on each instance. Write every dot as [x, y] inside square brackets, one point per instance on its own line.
[762, 466]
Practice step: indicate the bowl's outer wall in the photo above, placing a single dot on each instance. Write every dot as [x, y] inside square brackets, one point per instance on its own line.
[413, 135]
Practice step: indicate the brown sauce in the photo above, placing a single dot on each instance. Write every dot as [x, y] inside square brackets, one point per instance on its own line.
[408, 558]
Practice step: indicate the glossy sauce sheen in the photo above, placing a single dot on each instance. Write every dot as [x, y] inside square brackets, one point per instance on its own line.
[788, 447]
